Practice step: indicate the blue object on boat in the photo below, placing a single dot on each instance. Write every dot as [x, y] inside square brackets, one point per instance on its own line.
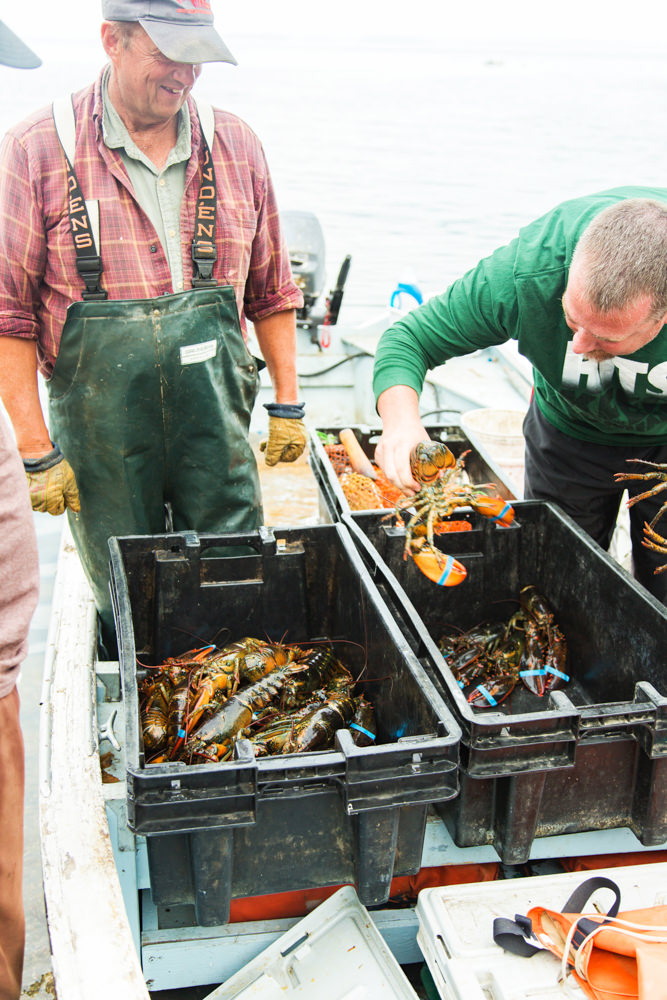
[412, 290]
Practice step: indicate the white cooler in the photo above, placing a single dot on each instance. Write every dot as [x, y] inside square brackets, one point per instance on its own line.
[456, 931]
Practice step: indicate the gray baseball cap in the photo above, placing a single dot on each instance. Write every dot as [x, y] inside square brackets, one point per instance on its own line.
[182, 29]
[13, 52]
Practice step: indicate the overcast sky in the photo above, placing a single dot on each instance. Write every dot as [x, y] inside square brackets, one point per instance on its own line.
[639, 24]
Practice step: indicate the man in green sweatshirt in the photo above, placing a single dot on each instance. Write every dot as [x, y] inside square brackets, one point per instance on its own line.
[583, 290]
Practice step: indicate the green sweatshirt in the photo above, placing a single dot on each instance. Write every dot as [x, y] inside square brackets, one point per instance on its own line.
[515, 294]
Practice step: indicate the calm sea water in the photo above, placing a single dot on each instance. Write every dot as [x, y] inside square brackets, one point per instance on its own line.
[417, 158]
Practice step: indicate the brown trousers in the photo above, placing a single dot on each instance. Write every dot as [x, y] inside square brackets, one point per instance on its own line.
[12, 780]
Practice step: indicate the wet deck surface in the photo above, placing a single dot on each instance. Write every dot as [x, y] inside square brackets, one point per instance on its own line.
[289, 491]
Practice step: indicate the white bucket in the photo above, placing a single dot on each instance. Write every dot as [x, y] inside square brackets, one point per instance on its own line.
[499, 433]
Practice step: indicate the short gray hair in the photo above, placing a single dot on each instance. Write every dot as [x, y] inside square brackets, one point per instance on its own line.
[622, 255]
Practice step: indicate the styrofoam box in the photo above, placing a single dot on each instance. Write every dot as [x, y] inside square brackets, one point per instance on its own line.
[335, 953]
[456, 931]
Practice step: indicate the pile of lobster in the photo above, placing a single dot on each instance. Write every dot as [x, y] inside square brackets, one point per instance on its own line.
[489, 660]
[282, 698]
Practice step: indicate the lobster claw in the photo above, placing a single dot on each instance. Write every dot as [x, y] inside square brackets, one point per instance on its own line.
[531, 667]
[491, 691]
[535, 679]
[442, 569]
[495, 508]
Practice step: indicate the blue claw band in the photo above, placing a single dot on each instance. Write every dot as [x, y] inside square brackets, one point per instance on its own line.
[447, 571]
[500, 516]
[45, 462]
[486, 694]
[293, 411]
[182, 734]
[360, 729]
[532, 673]
[460, 684]
[556, 673]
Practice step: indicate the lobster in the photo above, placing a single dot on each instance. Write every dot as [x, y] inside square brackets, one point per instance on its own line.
[652, 539]
[318, 726]
[442, 491]
[155, 712]
[275, 732]
[177, 716]
[544, 660]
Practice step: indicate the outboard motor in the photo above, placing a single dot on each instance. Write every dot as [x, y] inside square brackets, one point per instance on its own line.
[305, 243]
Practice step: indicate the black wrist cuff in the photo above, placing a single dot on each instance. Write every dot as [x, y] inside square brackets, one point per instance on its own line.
[293, 411]
[45, 462]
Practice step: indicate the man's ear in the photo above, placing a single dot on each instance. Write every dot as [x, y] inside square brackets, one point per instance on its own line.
[110, 41]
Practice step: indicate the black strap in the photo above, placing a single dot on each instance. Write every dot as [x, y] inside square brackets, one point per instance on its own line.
[511, 935]
[88, 261]
[204, 253]
[578, 900]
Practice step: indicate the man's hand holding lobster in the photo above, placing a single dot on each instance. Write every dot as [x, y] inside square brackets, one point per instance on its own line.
[402, 429]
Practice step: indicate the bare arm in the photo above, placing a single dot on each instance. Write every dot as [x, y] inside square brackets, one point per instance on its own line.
[20, 395]
[19, 569]
[402, 429]
[276, 336]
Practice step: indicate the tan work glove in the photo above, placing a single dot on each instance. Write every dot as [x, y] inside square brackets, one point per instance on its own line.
[51, 483]
[287, 433]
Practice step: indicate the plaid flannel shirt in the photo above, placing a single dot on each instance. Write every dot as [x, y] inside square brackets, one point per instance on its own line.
[38, 275]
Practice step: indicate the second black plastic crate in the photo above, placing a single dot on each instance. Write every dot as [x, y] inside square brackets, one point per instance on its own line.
[251, 826]
[479, 465]
[590, 756]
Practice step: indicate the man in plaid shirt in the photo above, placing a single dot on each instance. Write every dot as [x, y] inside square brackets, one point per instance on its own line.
[131, 254]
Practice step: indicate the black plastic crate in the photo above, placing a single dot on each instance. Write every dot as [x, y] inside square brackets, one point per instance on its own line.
[479, 465]
[590, 756]
[252, 826]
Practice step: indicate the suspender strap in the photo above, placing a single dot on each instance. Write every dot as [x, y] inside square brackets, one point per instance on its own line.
[204, 253]
[88, 260]
[206, 120]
